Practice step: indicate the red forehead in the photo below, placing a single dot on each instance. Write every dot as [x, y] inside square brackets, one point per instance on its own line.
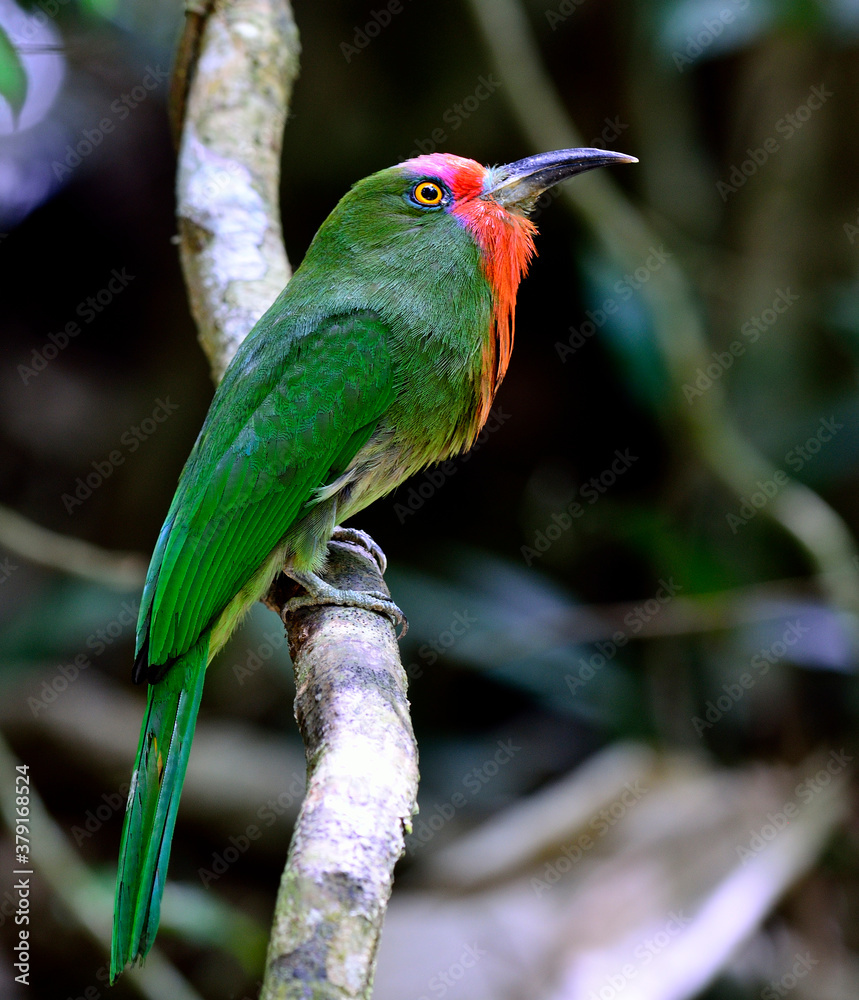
[464, 177]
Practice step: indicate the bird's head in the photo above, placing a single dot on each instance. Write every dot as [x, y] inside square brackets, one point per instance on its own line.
[493, 205]
[415, 237]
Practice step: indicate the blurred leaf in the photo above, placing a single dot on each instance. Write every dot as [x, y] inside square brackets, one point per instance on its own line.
[843, 15]
[101, 8]
[696, 559]
[617, 310]
[635, 875]
[811, 635]
[70, 618]
[200, 916]
[689, 30]
[519, 634]
[13, 79]
[841, 310]
[702, 29]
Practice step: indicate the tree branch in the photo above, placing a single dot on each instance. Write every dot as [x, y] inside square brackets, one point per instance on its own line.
[229, 169]
[351, 687]
[362, 783]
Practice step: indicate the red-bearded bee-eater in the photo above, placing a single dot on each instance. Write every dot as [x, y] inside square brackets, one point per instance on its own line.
[381, 356]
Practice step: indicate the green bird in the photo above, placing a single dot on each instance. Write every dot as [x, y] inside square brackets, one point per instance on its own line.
[381, 356]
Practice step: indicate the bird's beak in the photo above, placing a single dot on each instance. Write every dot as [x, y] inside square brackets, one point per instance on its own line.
[517, 186]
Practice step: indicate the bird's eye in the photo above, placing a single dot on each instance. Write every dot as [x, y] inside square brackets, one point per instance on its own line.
[428, 194]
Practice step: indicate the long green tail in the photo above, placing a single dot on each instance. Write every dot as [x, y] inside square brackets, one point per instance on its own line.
[159, 771]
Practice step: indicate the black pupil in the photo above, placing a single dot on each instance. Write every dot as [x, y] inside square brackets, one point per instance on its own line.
[429, 192]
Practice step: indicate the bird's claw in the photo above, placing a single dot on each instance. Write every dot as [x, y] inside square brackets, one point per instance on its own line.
[319, 592]
[354, 536]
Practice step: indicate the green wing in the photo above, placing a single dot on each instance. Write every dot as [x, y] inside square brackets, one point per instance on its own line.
[288, 418]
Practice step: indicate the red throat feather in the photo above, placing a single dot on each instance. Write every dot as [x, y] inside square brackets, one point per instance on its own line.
[506, 241]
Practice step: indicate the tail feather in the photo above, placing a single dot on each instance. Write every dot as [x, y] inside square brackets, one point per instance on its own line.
[159, 771]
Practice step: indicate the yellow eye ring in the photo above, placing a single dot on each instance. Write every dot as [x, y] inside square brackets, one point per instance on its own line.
[428, 193]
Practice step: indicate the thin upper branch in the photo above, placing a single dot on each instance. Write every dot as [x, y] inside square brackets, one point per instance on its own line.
[229, 169]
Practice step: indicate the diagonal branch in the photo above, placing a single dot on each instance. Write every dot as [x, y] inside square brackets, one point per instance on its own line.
[43, 547]
[351, 687]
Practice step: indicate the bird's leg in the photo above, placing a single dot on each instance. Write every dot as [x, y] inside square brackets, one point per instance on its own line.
[320, 592]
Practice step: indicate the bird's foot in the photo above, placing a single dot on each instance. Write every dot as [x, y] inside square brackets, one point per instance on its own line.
[320, 592]
[354, 536]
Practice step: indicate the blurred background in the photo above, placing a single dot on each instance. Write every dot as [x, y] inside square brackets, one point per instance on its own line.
[633, 606]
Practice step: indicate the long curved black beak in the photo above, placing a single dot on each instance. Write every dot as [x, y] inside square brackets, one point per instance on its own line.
[518, 185]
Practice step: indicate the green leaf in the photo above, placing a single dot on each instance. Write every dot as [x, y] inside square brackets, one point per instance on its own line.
[100, 8]
[13, 79]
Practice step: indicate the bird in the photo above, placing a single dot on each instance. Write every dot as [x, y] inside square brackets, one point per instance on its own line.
[381, 356]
